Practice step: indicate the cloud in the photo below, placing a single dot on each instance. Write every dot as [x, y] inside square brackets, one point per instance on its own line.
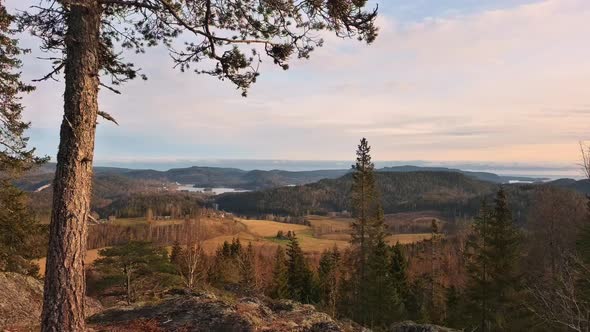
[505, 84]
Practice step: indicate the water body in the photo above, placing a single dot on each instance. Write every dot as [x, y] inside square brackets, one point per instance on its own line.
[212, 191]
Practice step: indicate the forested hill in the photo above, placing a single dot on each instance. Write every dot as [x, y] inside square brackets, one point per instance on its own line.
[449, 192]
[484, 176]
[241, 179]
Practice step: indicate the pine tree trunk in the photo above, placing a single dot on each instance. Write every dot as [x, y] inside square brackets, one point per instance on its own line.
[63, 304]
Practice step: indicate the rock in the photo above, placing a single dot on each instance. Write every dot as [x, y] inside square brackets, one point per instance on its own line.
[413, 327]
[200, 312]
[21, 301]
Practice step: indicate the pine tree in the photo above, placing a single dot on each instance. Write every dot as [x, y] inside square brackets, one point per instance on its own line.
[18, 227]
[493, 255]
[300, 278]
[86, 45]
[280, 279]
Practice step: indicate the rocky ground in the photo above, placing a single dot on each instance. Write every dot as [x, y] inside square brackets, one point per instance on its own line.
[206, 312]
[21, 299]
[21, 302]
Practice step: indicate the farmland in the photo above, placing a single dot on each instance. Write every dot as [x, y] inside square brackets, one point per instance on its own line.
[322, 233]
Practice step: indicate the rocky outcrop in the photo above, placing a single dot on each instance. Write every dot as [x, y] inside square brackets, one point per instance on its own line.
[206, 312]
[21, 300]
[413, 327]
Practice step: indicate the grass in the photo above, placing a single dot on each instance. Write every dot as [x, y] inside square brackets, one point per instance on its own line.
[91, 256]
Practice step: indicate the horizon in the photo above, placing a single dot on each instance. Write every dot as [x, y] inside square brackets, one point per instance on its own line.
[550, 171]
[492, 81]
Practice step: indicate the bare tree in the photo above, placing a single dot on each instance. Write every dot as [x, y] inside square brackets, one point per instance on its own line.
[559, 301]
[193, 261]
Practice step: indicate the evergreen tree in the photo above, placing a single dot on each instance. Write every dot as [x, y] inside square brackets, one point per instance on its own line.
[367, 233]
[383, 300]
[435, 297]
[300, 278]
[493, 255]
[329, 279]
[399, 276]
[18, 228]
[128, 262]
[247, 269]
[280, 278]
[176, 253]
[454, 313]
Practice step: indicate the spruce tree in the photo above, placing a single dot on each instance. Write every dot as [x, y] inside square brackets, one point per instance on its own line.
[493, 254]
[367, 232]
[300, 278]
[329, 279]
[247, 269]
[383, 300]
[399, 276]
[176, 253]
[280, 276]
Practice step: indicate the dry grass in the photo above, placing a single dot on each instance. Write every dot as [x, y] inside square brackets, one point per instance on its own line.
[324, 233]
[91, 256]
[266, 228]
[407, 238]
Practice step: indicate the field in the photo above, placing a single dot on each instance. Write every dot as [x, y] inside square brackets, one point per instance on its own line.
[323, 233]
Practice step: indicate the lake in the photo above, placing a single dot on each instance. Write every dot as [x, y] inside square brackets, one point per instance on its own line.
[214, 191]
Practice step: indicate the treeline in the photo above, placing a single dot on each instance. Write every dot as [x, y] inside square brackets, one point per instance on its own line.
[168, 203]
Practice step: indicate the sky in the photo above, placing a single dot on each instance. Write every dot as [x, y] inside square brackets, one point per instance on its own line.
[499, 81]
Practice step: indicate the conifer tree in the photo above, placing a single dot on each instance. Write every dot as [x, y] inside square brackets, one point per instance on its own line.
[329, 279]
[280, 278]
[176, 253]
[399, 275]
[493, 255]
[247, 269]
[435, 297]
[367, 231]
[383, 300]
[454, 311]
[300, 277]
[18, 227]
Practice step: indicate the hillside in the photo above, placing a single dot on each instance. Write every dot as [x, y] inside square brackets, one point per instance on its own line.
[401, 191]
[582, 186]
